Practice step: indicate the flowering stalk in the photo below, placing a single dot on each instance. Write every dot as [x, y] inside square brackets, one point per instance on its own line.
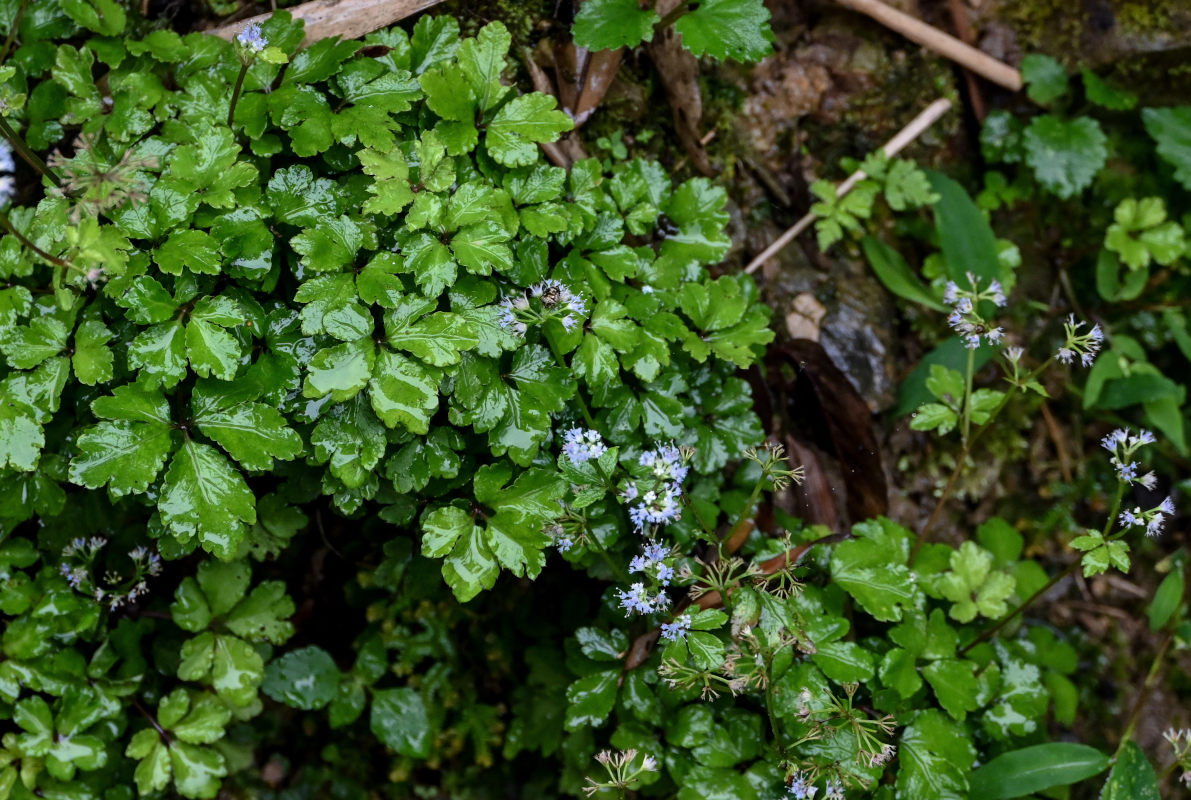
[249, 43]
[23, 150]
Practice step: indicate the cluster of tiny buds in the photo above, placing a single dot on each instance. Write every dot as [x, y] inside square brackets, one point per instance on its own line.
[965, 316]
[882, 757]
[557, 302]
[1083, 346]
[582, 445]
[560, 536]
[1123, 445]
[1153, 520]
[1180, 740]
[622, 771]
[252, 38]
[116, 590]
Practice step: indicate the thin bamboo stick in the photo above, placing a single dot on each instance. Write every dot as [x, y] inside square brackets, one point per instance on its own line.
[347, 19]
[934, 39]
[912, 131]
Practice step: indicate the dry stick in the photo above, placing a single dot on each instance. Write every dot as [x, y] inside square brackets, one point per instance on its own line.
[347, 19]
[934, 39]
[894, 146]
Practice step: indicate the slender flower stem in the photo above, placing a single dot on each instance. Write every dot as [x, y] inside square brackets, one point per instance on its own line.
[967, 411]
[12, 31]
[562, 362]
[989, 632]
[231, 109]
[31, 158]
[966, 450]
[1144, 694]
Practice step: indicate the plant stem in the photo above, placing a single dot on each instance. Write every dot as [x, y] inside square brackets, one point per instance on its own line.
[231, 109]
[31, 158]
[12, 31]
[988, 633]
[1144, 694]
[20, 237]
[672, 17]
[967, 450]
[968, 375]
[562, 362]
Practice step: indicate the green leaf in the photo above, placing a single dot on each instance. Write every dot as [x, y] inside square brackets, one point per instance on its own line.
[437, 338]
[307, 679]
[1170, 128]
[189, 249]
[727, 29]
[127, 456]
[27, 346]
[935, 759]
[92, 359]
[341, 371]
[610, 24]
[522, 123]
[955, 686]
[1045, 78]
[351, 438]
[1167, 600]
[1033, 769]
[252, 433]
[196, 769]
[204, 723]
[203, 497]
[390, 189]
[105, 17]
[263, 616]
[872, 568]
[893, 271]
[590, 699]
[1106, 96]
[965, 237]
[1065, 155]
[403, 392]
[209, 169]
[330, 245]
[1132, 777]
[843, 662]
[400, 721]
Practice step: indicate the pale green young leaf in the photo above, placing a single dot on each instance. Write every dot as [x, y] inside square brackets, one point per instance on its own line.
[610, 24]
[522, 123]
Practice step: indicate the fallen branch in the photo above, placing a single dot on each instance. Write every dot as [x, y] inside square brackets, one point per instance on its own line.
[347, 19]
[935, 40]
[895, 145]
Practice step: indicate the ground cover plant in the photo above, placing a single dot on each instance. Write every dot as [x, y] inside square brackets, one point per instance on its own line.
[348, 448]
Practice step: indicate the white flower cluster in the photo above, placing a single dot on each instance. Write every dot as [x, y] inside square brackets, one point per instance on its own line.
[1083, 346]
[252, 38]
[581, 445]
[965, 316]
[801, 787]
[557, 302]
[1153, 520]
[658, 495]
[1123, 445]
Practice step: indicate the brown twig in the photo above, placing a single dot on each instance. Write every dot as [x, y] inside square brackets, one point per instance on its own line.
[963, 29]
[936, 41]
[347, 19]
[912, 131]
[1056, 436]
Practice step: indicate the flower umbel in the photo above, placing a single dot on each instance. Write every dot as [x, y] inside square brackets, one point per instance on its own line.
[581, 445]
[252, 38]
[547, 300]
[624, 770]
[1123, 445]
[1083, 346]
[965, 317]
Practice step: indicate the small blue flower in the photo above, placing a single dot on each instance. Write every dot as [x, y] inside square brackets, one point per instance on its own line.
[677, 629]
[252, 38]
[583, 445]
